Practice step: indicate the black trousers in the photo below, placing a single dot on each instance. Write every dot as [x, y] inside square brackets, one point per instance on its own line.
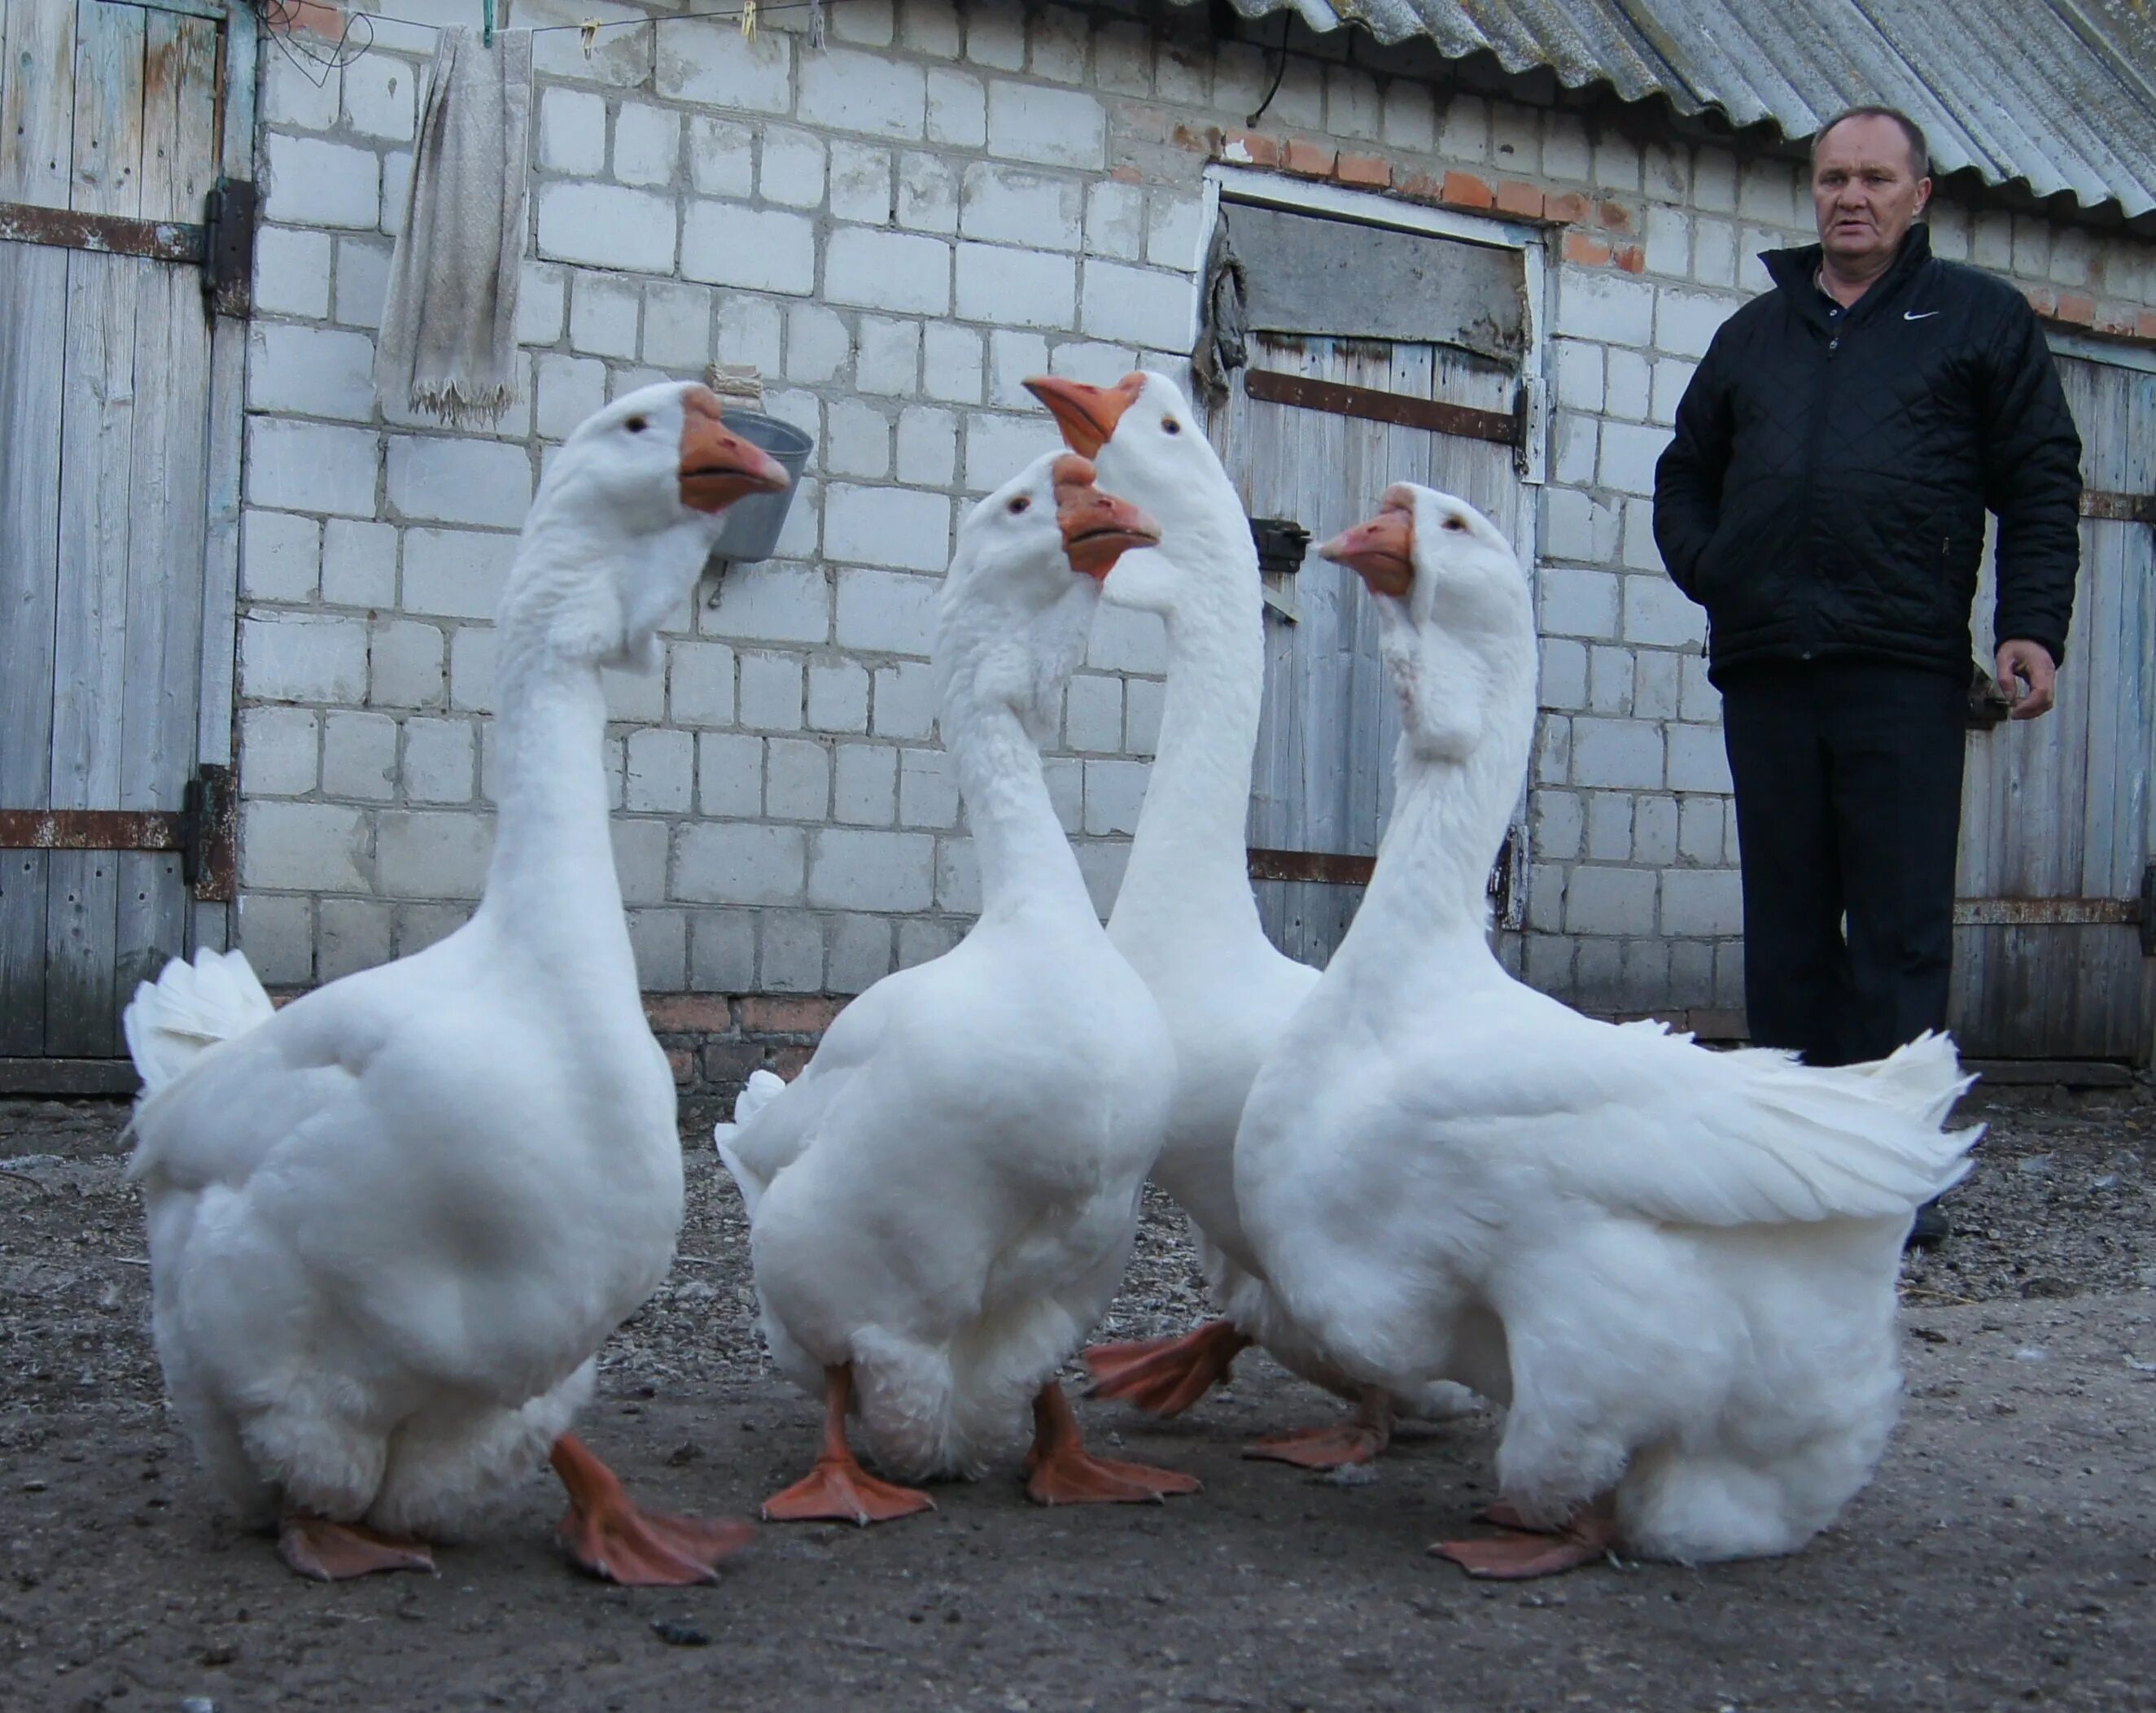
[1848, 779]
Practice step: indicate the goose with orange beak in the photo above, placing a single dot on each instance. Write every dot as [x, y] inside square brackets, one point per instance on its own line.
[1185, 916]
[941, 1204]
[391, 1223]
[1676, 1268]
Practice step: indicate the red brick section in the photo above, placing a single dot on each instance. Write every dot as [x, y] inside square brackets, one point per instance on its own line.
[1370, 171]
[1464, 190]
[1309, 160]
[1514, 197]
[1587, 251]
[712, 1041]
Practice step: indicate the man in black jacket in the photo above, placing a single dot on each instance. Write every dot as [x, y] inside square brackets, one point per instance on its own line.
[1824, 499]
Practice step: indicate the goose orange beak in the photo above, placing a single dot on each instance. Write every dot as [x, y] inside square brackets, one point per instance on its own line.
[1381, 551]
[1087, 414]
[1098, 529]
[718, 466]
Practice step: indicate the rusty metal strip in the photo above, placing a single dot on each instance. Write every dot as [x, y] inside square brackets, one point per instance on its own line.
[1324, 866]
[2047, 912]
[92, 829]
[2118, 508]
[1397, 408]
[109, 234]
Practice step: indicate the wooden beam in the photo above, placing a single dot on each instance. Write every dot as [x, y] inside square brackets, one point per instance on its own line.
[2118, 508]
[103, 234]
[93, 830]
[68, 1076]
[1400, 409]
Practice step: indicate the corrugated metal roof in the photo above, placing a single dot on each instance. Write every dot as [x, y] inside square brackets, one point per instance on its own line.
[2059, 94]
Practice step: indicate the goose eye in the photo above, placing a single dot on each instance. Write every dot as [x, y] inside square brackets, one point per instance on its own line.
[1456, 523]
[1168, 425]
[637, 425]
[1020, 504]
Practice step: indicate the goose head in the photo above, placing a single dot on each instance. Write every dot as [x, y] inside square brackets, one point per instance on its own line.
[1017, 605]
[1454, 621]
[626, 516]
[1148, 444]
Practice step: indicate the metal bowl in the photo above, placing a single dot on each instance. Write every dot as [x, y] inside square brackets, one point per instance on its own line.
[753, 524]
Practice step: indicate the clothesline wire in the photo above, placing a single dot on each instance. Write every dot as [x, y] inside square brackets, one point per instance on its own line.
[297, 44]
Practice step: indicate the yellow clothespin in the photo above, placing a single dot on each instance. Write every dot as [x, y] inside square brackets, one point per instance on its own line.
[749, 17]
[588, 32]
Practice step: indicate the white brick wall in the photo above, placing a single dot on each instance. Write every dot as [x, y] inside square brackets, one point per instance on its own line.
[896, 229]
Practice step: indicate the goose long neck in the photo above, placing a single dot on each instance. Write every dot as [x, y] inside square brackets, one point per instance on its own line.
[1189, 853]
[1449, 818]
[1024, 857]
[552, 880]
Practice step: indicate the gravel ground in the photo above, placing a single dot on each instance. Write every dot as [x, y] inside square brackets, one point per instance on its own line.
[2003, 1557]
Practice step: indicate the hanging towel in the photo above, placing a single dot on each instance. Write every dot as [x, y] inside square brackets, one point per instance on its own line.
[1223, 346]
[449, 327]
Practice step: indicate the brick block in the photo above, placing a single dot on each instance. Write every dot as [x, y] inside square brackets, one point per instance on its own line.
[998, 446]
[568, 390]
[660, 774]
[1609, 900]
[876, 871]
[1604, 306]
[861, 184]
[953, 365]
[354, 935]
[721, 156]
[901, 271]
[659, 939]
[928, 789]
[905, 705]
[716, 68]
[763, 249]
[303, 656]
[927, 198]
[439, 761]
[314, 183]
[797, 779]
[291, 272]
[847, 92]
[1149, 309]
[1699, 830]
[958, 876]
[1557, 823]
[405, 664]
[957, 109]
[1631, 383]
[700, 678]
[1004, 204]
[1697, 760]
[602, 315]
[719, 862]
[1625, 754]
[358, 563]
[1608, 827]
[729, 775]
[763, 1016]
[1579, 603]
[928, 446]
[919, 941]
[793, 167]
[1564, 684]
[1686, 321]
[303, 847]
[883, 611]
[721, 951]
[1702, 902]
[1630, 451]
[280, 556]
[455, 573]
[1657, 613]
[906, 528]
[1143, 701]
[1093, 713]
[1012, 357]
[572, 132]
[1578, 526]
[1126, 640]
[438, 480]
[1115, 220]
[677, 327]
[1052, 127]
[837, 696]
[818, 345]
[606, 226]
[283, 748]
[647, 142]
[290, 96]
[1021, 288]
[771, 692]
[866, 788]
[1655, 832]
[311, 466]
[887, 356]
[1115, 792]
[1654, 686]
[861, 953]
[431, 853]
[1610, 673]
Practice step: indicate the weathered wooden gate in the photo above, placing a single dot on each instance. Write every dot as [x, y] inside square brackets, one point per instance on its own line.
[1315, 428]
[2055, 946]
[123, 264]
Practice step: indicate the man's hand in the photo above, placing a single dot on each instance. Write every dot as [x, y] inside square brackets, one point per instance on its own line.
[2027, 674]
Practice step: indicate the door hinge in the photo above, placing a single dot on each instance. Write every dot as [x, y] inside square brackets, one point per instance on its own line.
[2149, 911]
[203, 831]
[229, 248]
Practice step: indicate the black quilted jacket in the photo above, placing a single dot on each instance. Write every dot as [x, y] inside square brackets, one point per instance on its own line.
[1826, 492]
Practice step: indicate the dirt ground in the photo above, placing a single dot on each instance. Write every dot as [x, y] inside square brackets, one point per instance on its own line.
[2003, 1558]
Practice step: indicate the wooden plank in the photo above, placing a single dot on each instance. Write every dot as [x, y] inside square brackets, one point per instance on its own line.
[2073, 1073]
[68, 1076]
[108, 109]
[110, 234]
[37, 106]
[36, 118]
[89, 829]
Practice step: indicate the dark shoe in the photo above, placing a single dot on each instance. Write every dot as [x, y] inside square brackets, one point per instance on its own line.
[1930, 1229]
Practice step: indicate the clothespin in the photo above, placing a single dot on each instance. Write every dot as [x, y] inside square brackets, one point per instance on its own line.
[486, 24]
[588, 32]
[749, 17]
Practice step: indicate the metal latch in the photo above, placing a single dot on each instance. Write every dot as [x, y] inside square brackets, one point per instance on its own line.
[1281, 543]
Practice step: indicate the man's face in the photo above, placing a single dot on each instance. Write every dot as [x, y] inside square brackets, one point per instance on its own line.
[1864, 194]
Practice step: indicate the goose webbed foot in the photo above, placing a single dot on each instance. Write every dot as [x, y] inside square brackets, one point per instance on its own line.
[1164, 1376]
[838, 1490]
[1525, 1550]
[335, 1553]
[1334, 1446]
[606, 1534]
[1060, 1471]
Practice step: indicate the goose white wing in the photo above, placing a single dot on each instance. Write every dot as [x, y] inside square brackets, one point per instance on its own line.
[1649, 1125]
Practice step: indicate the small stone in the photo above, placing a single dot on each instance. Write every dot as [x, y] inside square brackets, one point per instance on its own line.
[679, 1635]
[197, 1704]
[2032, 1353]
[2035, 1164]
[1352, 1475]
[686, 1453]
[2046, 1287]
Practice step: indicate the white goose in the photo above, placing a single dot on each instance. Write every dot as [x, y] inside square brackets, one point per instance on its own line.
[390, 1224]
[1185, 916]
[1676, 1267]
[941, 1204]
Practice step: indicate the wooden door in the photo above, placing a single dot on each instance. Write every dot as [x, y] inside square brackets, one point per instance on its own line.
[116, 510]
[1323, 788]
[2052, 918]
